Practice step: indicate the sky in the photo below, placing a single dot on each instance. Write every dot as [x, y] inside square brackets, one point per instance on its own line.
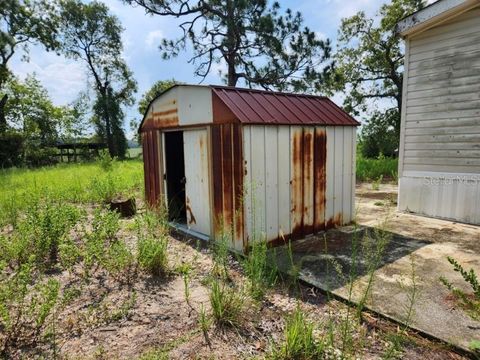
[65, 79]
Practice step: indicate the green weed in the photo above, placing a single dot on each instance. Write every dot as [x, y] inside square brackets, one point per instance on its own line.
[227, 303]
[381, 168]
[299, 342]
[469, 302]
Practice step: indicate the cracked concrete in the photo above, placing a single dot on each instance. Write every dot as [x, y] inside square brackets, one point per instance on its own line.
[328, 261]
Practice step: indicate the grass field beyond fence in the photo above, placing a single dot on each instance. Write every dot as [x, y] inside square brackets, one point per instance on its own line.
[75, 183]
[377, 169]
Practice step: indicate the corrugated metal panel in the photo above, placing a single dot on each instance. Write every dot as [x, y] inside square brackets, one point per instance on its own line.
[227, 170]
[197, 187]
[265, 107]
[287, 180]
[151, 163]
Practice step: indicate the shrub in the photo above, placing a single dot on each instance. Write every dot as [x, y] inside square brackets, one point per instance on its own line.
[371, 169]
[105, 161]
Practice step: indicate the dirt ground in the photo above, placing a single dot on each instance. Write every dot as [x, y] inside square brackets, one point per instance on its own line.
[110, 318]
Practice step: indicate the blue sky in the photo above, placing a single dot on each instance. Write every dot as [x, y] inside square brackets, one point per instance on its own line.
[64, 78]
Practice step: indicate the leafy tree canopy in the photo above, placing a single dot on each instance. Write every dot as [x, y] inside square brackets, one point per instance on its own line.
[156, 89]
[91, 34]
[23, 22]
[369, 67]
[257, 43]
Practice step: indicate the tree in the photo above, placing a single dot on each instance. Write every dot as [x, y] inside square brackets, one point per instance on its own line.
[369, 62]
[33, 123]
[23, 22]
[256, 43]
[156, 89]
[91, 34]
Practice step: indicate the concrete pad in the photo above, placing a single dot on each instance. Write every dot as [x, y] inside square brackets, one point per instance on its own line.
[328, 261]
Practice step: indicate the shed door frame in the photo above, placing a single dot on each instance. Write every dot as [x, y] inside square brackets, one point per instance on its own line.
[209, 157]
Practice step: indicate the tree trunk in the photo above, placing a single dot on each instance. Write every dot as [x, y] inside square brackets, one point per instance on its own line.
[108, 125]
[231, 45]
[3, 119]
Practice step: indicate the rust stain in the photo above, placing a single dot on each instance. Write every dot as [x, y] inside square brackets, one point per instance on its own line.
[335, 221]
[217, 178]
[166, 121]
[191, 219]
[308, 182]
[166, 112]
[227, 175]
[237, 147]
[319, 159]
[296, 185]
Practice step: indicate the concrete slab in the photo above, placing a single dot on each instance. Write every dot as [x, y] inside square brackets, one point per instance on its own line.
[330, 260]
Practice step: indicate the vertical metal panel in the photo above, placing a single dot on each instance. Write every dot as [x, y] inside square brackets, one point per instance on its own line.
[248, 196]
[320, 158]
[338, 173]
[146, 165]
[458, 195]
[283, 167]
[308, 179]
[258, 180]
[353, 210]
[296, 189]
[330, 177]
[239, 218]
[197, 180]
[217, 178]
[227, 169]
[347, 175]
[227, 174]
[271, 181]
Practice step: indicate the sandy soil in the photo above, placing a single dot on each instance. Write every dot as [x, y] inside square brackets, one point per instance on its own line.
[124, 318]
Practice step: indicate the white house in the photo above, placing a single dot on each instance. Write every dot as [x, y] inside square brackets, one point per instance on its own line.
[439, 159]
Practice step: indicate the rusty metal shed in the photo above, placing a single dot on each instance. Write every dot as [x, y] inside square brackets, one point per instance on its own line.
[249, 164]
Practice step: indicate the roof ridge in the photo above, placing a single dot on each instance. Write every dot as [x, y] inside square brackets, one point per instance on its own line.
[281, 93]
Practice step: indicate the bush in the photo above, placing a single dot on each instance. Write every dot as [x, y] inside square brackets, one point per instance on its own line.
[374, 169]
[11, 149]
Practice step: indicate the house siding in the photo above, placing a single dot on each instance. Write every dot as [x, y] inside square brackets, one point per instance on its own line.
[439, 167]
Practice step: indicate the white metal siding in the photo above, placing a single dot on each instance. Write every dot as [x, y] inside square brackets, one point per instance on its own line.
[197, 186]
[268, 156]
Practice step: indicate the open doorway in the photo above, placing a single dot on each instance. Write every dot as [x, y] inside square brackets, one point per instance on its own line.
[175, 176]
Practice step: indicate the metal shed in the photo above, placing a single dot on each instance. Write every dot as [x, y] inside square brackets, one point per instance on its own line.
[249, 164]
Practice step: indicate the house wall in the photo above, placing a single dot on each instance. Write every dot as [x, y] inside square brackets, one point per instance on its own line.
[439, 166]
[298, 180]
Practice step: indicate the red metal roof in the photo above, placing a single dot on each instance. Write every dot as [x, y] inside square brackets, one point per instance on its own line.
[267, 107]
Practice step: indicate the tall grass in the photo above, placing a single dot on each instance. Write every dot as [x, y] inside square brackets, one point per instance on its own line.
[76, 183]
[373, 169]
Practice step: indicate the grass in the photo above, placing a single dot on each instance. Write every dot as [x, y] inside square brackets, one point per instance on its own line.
[73, 183]
[373, 169]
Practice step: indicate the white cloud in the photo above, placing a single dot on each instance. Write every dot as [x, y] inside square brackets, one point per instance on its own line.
[152, 40]
[63, 78]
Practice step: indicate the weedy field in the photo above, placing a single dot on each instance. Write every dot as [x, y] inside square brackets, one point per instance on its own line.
[77, 281]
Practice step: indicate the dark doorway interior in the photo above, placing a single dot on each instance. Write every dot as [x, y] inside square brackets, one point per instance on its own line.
[175, 175]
